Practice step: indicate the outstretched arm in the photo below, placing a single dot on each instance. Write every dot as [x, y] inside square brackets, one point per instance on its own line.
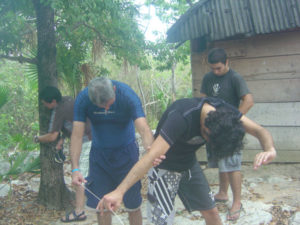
[75, 151]
[113, 200]
[265, 139]
[49, 137]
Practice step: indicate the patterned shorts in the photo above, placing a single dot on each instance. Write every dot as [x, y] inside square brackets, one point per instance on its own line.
[163, 186]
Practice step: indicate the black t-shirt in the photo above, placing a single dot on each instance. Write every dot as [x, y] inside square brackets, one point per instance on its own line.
[180, 127]
[230, 87]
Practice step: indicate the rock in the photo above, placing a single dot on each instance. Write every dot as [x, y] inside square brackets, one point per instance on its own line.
[4, 166]
[4, 190]
[34, 184]
[295, 219]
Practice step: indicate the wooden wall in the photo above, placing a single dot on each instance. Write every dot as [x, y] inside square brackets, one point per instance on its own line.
[270, 64]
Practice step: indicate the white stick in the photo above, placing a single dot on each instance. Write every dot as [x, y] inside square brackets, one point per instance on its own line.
[119, 219]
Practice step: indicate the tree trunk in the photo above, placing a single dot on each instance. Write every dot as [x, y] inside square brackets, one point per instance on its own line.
[53, 192]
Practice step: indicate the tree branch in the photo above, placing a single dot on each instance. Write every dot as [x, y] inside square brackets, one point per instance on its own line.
[100, 36]
[20, 59]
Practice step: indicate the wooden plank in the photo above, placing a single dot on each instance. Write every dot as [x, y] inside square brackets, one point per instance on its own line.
[271, 67]
[285, 43]
[285, 90]
[276, 114]
[284, 138]
[248, 156]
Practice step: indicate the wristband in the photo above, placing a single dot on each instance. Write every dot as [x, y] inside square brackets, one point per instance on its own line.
[74, 170]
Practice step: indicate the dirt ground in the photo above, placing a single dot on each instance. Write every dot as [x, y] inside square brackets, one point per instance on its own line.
[275, 184]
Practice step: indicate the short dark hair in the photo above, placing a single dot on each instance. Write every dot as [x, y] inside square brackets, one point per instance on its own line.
[217, 55]
[226, 132]
[49, 93]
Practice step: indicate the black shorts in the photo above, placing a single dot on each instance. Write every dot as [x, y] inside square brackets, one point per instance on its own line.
[163, 185]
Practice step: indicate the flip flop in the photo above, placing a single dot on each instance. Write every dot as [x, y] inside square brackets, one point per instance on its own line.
[75, 217]
[230, 215]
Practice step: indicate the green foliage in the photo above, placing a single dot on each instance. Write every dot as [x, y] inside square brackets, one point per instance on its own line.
[3, 95]
[170, 11]
[18, 120]
[167, 55]
[68, 66]
[18, 117]
[110, 21]
[17, 25]
[77, 25]
[20, 163]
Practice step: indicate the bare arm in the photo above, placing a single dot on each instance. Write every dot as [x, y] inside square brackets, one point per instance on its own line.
[113, 200]
[147, 137]
[246, 104]
[75, 150]
[145, 131]
[265, 139]
[49, 137]
[76, 143]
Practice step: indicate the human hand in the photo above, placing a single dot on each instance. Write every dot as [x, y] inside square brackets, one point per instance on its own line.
[110, 201]
[263, 158]
[77, 178]
[158, 160]
[36, 139]
[59, 144]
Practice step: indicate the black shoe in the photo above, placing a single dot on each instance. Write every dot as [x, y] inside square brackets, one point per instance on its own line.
[59, 157]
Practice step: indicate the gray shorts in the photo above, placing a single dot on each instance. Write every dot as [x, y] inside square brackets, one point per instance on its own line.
[163, 185]
[227, 164]
[84, 158]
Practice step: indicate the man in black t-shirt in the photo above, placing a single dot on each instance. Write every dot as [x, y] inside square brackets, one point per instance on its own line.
[224, 83]
[185, 126]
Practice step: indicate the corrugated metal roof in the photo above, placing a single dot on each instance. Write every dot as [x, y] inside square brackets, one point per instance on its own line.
[222, 19]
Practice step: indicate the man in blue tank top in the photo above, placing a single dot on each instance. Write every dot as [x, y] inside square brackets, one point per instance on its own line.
[114, 110]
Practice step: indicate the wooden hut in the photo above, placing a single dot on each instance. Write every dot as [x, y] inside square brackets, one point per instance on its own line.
[262, 39]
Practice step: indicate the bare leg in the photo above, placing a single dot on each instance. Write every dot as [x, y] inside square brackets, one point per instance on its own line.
[223, 188]
[105, 219]
[80, 199]
[211, 217]
[235, 180]
[79, 203]
[135, 217]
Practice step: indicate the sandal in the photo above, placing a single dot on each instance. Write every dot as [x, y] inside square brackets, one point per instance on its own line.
[234, 216]
[80, 217]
